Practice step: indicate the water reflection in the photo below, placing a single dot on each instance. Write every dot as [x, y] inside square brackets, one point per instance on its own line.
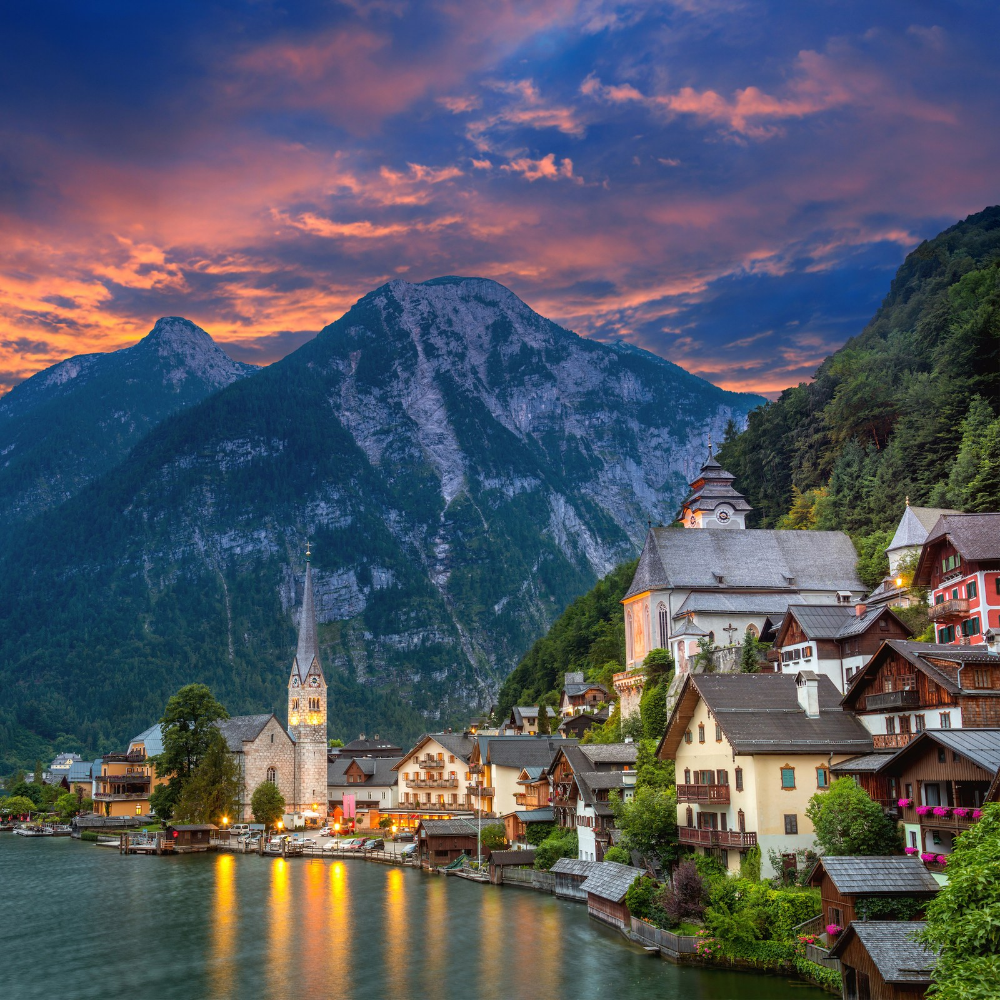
[277, 919]
[338, 966]
[491, 953]
[222, 964]
[311, 930]
[430, 937]
[397, 938]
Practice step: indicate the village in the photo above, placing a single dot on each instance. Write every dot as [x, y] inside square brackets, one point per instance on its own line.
[787, 687]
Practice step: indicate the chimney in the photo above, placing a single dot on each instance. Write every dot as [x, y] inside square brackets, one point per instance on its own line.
[807, 689]
[860, 609]
[992, 640]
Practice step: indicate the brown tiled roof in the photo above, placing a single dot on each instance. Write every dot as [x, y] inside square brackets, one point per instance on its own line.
[976, 536]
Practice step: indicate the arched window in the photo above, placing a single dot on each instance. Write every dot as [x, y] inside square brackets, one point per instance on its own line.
[711, 638]
[742, 820]
[753, 631]
[690, 816]
[272, 775]
[628, 633]
[661, 613]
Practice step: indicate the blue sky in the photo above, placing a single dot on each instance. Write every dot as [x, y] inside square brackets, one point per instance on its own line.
[728, 184]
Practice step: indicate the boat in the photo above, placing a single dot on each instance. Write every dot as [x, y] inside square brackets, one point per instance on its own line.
[61, 830]
[32, 831]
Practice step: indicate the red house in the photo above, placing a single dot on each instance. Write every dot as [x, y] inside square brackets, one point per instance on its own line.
[960, 563]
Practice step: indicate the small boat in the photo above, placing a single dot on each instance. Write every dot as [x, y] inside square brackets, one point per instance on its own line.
[32, 831]
[61, 830]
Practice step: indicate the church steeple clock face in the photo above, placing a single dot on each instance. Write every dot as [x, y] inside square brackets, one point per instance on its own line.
[314, 681]
[723, 516]
[295, 682]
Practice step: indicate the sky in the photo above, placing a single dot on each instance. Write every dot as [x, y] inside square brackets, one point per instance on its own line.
[727, 183]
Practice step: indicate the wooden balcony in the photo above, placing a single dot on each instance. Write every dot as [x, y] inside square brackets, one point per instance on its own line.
[716, 838]
[888, 700]
[428, 762]
[949, 822]
[891, 741]
[432, 783]
[120, 796]
[486, 791]
[953, 608]
[703, 793]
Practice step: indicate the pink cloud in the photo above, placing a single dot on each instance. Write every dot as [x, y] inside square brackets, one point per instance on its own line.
[544, 169]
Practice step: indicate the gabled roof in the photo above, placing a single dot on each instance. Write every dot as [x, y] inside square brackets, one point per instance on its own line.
[582, 687]
[915, 525]
[574, 866]
[976, 537]
[365, 748]
[521, 713]
[760, 714]
[835, 621]
[242, 729]
[523, 751]
[751, 559]
[892, 946]
[378, 771]
[454, 743]
[544, 815]
[712, 486]
[980, 746]
[151, 739]
[866, 763]
[80, 770]
[610, 880]
[450, 827]
[611, 753]
[941, 663]
[529, 775]
[889, 875]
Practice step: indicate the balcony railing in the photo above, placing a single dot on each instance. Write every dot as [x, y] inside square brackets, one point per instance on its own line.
[426, 762]
[703, 793]
[891, 741]
[716, 838]
[119, 796]
[948, 822]
[486, 791]
[892, 699]
[432, 783]
[948, 609]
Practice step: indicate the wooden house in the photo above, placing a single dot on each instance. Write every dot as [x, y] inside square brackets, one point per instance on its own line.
[499, 860]
[907, 687]
[605, 888]
[576, 725]
[944, 778]
[578, 695]
[515, 824]
[881, 960]
[845, 882]
[441, 841]
[190, 837]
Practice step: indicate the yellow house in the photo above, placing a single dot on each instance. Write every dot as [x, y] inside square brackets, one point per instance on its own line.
[123, 785]
[750, 751]
[433, 780]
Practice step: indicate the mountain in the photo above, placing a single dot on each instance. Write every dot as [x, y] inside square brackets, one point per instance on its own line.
[70, 423]
[463, 467]
[908, 408]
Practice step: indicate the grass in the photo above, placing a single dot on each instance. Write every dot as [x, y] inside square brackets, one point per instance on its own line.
[685, 928]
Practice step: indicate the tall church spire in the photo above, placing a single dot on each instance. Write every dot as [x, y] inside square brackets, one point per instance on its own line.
[307, 651]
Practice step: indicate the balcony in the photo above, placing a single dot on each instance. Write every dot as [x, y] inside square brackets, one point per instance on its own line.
[716, 838]
[432, 783]
[486, 791]
[892, 699]
[703, 793]
[426, 762]
[120, 796]
[949, 822]
[953, 608]
[891, 741]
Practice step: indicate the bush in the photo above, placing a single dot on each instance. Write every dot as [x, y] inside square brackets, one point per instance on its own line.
[686, 896]
[493, 837]
[750, 865]
[538, 832]
[617, 854]
[560, 843]
[641, 897]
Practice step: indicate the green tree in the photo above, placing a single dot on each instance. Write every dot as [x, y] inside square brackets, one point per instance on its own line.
[213, 787]
[618, 854]
[544, 729]
[37, 776]
[750, 865]
[67, 806]
[847, 821]
[560, 843]
[493, 837]
[188, 726]
[873, 563]
[334, 743]
[653, 711]
[659, 666]
[16, 805]
[963, 919]
[648, 822]
[651, 772]
[384, 822]
[750, 655]
[537, 832]
[13, 779]
[267, 804]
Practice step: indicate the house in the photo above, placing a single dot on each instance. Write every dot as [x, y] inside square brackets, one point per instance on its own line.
[944, 777]
[583, 779]
[835, 640]
[865, 770]
[907, 687]
[432, 779]
[80, 778]
[523, 721]
[515, 824]
[750, 750]
[60, 767]
[441, 841]
[502, 759]
[534, 791]
[848, 884]
[123, 782]
[575, 726]
[605, 888]
[570, 875]
[882, 960]
[375, 747]
[960, 564]
[191, 837]
[911, 533]
[578, 695]
[716, 585]
[361, 789]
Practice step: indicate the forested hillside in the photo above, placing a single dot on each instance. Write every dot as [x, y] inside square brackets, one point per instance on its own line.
[909, 407]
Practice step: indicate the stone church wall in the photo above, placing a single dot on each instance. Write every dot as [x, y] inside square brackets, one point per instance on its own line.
[272, 748]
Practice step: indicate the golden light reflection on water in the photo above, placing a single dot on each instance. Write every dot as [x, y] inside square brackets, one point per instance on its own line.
[396, 939]
[311, 930]
[222, 966]
[278, 930]
[337, 964]
[491, 945]
[433, 936]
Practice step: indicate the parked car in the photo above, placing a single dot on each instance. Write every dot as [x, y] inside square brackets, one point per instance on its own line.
[375, 845]
[409, 851]
[405, 837]
[355, 845]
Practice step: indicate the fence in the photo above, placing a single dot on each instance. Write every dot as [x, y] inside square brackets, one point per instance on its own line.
[531, 879]
[669, 943]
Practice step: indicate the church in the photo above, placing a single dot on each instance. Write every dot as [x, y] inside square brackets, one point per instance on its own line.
[714, 579]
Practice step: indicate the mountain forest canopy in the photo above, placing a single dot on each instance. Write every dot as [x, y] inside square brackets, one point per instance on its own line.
[908, 408]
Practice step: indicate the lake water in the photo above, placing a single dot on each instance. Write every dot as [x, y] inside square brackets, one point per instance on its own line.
[80, 921]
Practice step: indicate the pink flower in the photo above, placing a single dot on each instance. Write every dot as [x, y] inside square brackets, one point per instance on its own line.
[927, 858]
[833, 929]
[923, 810]
[941, 810]
[903, 803]
[942, 859]
[911, 850]
[977, 813]
[961, 812]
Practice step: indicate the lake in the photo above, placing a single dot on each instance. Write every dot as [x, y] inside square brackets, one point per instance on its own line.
[81, 921]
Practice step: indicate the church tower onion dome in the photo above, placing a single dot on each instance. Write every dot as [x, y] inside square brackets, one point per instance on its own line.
[714, 502]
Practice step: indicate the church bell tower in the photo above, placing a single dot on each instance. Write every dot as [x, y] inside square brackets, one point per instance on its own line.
[714, 502]
[307, 711]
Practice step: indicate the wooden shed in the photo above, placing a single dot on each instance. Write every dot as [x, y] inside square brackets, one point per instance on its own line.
[844, 881]
[499, 860]
[605, 889]
[880, 960]
[441, 841]
[191, 836]
[570, 875]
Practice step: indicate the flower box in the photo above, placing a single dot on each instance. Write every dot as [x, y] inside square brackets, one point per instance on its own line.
[910, 850]
[977, 813]
[928, 858]
[924, 810]
[941, 810]
[960, 812]
[904, 803]
[942, 859]
[833, 929]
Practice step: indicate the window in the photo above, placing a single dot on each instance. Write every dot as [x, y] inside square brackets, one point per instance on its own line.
[971, 590]
[718, 731]
[942, 756]
[706, 777]
[687, 776]
[864, 987]
[722, 777]
[913, 838]
[451, 758]
[947, 634]
[687, 736]
[945, 720]
[996, 582]
[701, 732]
[295, 704]
[971, 626]
[919, 723]
[939, 598]
[272, 775]
[739, 779]
[791, 824]
[981, 677]
[954, 593]
[787, 777]
[890, 724]
[741, 821]
[822, 777]
[138, 810]
[904, 724]
[807, 653]
[661, 613]
[690, 816]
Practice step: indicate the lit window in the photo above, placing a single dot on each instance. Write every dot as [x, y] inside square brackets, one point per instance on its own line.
[788, 777]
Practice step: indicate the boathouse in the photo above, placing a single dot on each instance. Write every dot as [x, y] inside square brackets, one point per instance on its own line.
[441, 841]
[882, 960]
[570, 875]
[605, 888]
[190, 837]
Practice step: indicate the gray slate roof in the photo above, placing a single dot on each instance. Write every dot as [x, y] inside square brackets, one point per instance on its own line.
[835, 621]
[307, 651]
[610, 753]
[574, 866]
[536, 815]
[748, 604]
[507, 858]
[610, 880]
[603, 779]
[981, 746]
[914, 526]
[891, 946]
[524, 751]
[531, 774]
[712, 486]
[976, 536]
[754, 559]
[866, 763]
[379, 771]
[242, 728]
[80, 770]
[152, 739]
[760, 713]
[581, 687]
[450, 827]
[878, 876]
